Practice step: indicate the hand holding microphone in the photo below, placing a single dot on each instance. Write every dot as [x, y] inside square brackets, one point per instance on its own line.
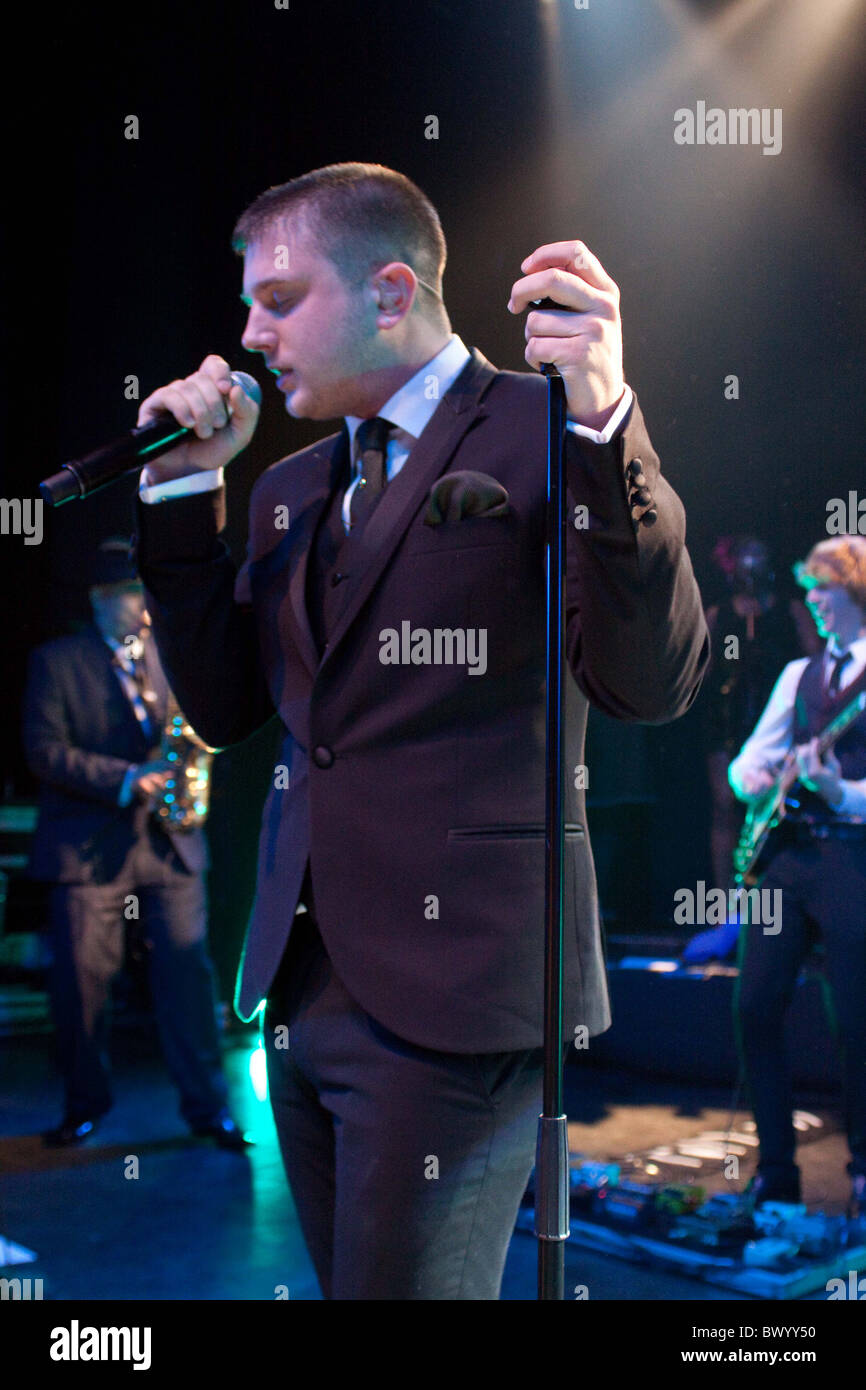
[192, 425]
[219, 416]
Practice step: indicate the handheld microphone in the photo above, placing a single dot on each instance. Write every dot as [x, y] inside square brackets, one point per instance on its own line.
[81, 477]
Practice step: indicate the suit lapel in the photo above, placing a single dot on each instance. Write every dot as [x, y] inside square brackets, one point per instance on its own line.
[330, 468]
[364, 556]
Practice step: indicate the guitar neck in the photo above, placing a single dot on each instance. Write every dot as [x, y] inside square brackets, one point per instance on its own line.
[838, 726]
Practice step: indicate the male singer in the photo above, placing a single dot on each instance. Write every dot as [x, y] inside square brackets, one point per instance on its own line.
[397, 934]
[817, 864]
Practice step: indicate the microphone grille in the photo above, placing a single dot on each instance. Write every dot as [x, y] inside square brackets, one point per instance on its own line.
[248, 385]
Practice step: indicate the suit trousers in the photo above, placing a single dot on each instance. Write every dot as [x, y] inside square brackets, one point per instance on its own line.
[88, 922]
[823, 889]
[407, 1165]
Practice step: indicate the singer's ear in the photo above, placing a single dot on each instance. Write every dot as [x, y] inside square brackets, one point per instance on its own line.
[394, 289]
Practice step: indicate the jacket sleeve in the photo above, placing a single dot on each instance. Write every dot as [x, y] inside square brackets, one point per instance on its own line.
[207, 639]
[636, 639]
[48, 747]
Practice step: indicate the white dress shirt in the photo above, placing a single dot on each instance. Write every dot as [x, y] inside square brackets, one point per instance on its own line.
[409, 409]
[773, 734]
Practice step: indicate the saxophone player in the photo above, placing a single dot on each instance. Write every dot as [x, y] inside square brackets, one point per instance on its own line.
[94, 711]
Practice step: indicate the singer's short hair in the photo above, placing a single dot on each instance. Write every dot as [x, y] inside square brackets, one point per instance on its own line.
[840, 561]
[360, 215]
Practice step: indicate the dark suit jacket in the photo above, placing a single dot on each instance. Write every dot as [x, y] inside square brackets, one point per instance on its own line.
[80, 738]
[417, 792]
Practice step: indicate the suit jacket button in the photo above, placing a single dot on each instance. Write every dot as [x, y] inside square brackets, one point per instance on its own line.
[640, 495]
[322, 756]
[635, 467]
[336, 578]
[650, 518]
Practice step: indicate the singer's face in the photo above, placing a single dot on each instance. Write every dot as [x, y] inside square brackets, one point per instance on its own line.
[317, 334]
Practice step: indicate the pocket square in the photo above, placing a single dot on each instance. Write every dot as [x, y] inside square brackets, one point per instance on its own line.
[465, 494]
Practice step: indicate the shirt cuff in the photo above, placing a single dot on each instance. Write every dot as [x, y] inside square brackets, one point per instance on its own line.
[207, 481]
[735, 780]
[125, 794]
[853, 801]
[616, 420]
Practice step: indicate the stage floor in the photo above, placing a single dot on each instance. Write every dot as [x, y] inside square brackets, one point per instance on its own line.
[223, 1226]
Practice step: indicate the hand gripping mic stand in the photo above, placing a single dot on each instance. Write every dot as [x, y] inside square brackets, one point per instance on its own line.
[551, 1160]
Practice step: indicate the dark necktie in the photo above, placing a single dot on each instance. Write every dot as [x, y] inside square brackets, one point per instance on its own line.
[836, 674]
[372, 445]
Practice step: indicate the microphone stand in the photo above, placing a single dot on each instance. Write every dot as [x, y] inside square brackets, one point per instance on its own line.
[551, 1160]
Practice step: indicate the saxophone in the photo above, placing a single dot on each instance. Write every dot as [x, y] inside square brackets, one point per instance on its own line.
[184, 802]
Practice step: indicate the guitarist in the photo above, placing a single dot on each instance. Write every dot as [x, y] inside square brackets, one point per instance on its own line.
[818, 860]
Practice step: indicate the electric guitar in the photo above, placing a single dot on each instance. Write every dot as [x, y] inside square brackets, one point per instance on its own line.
[765, 813]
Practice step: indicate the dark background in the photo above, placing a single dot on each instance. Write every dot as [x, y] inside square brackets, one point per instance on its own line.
[553, 123]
